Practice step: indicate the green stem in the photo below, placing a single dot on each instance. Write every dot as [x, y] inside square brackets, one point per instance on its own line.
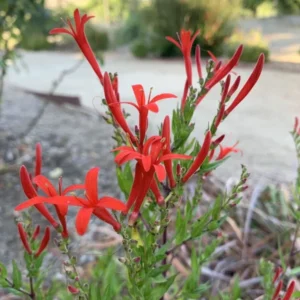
[19, 290]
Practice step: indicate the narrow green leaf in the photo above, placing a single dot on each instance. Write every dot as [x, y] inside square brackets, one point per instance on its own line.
[161, 288]
[16, 276]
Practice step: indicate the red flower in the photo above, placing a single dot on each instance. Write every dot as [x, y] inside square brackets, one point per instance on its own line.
[144, 106]
[185, 44]
[226, 69]
[44, 242]
[30, 193]
[199, 158]
[90, 205]
[79, 35]
[224, 151]
[248, 85]
[47, 187]
[290, 290]
[24, 238]
[166, 131]
[115, 108]
[149, 163]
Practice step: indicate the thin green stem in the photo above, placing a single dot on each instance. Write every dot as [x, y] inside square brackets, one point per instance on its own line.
[19, 290]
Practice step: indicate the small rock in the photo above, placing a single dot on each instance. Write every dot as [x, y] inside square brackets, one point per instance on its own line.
[56, 173]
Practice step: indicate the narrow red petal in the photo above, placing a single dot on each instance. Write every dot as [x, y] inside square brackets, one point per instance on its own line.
[26, 182]
[38, 159]
[160, 172]
[290, 290]
[73, 187]
[24, 238]
[112, 203]
[44, 242]
[162, 97]
[152, 107]
[61, 30]
[223, 71]
[139, 94]
[146, 161]
[170, 39]
[91, 184]
[105, 216]
[199, 158]
[82, 220]
[248, 85]
[45, 185]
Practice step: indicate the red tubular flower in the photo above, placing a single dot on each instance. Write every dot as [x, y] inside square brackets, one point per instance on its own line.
[79, 36]
[47, 187]
[44, 242]
[248, 85]
[158, 196]
[226, 69]
[73, 290]
[36, 232]
[220, 115]
[224, 151]
[148, 164]
[199, 158]
[234, 87]
[166, 131]
[38, 159]
[24, 238]
[198, 61]
[144, 106]
[90, 205]
[31, 193]
[217, 141]
[116, 110]
[225, 89]
[185, 44]
[278, 272]
[185, 94]
[278, 290]
[290, 290]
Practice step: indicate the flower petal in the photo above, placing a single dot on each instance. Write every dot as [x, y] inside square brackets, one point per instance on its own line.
[170, 39]
[45, 185]
[72, 188]
[112, 203]
[27, 185]
[38, 159]
[152, 107]
[160, 172]
[146, 161]
[82, 220]
[162, 97]
[91, 184]
[139, 94]
[60, 30]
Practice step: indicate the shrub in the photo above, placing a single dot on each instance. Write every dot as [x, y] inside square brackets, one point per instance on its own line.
[98, 37]
[253, 45]
[215, 18]
[139, 48]
[288, 6]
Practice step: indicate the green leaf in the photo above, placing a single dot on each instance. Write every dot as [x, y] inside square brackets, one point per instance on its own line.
[161, 288]
[158, 270]
[3, 271]
[217, 208]
[16, 276]
[294, 272]
[207, 167]
[125, 179]
[198, 227]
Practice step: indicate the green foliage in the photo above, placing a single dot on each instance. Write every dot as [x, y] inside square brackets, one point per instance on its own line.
[266, 271]
[253, 43]
[216, 20]
[97, 37]
[252, 4]
[139, 48]
[288, 6]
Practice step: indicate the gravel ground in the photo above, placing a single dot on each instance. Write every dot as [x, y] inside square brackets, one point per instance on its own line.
[73, 141]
